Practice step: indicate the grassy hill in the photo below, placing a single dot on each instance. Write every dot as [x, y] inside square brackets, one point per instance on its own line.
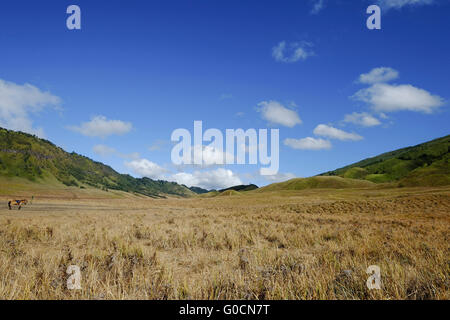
[197, 190]
[317, 183]
[210, 194]
[229, 192]
[232, 191]
[426, 164]
[24, 156]
[26, 160]
[242, 187]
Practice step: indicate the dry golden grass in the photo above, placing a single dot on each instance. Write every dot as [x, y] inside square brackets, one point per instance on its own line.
[310, 244]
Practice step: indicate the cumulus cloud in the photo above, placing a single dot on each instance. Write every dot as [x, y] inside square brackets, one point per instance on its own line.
[376, 75]
[146, 168]
[362, 119]
[211, 156]
[333, 133]
[308, 143]
[398, 4]
[214, 179]
[382, 97]
[292, 52]
[317, 6]
[209, 179]
[276, 113]
[19, 102]
[100, 126]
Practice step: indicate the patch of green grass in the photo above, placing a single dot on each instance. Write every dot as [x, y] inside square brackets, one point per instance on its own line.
[378, 177]
[356, 173]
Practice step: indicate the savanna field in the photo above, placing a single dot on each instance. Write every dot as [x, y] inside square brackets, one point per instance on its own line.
[295, 244]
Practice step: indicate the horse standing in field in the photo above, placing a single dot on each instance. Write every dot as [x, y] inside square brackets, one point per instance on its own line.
[18, 203]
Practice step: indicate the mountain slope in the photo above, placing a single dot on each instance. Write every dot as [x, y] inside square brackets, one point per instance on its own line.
[316, 183]
[197, 190]
[242, 187]
[426, 164]
[26, 156]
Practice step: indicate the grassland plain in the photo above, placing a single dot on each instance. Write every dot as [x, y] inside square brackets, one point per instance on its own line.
[290, 244]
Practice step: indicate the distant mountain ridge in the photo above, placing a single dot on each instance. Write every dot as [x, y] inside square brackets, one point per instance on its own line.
[27, 156]
[198, 190]
[242, 187]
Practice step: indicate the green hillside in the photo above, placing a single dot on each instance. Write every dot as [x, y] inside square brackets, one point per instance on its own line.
[25, 156]
[426, 164]
[242, 187]
[197, 190]
[317, 183]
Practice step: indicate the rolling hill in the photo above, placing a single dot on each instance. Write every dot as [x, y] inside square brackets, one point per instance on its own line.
[242, 187]
[26, 160]
[317, 183]
[197, 190]
[426, 164]
[24, 156]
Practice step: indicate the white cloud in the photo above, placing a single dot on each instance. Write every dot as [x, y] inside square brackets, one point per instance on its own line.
[276, 113]
[308, 143]
[146, 168]
[376, 75]
[100, 126]
[103, 150]
[398, 4]
[211, 156]
[296, 51]
[214, 179]
[384, 97]
[333, 133]
[19, 102]
[318, 5]
[363, 119]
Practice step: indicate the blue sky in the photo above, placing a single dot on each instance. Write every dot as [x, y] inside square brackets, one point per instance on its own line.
[116, 89]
